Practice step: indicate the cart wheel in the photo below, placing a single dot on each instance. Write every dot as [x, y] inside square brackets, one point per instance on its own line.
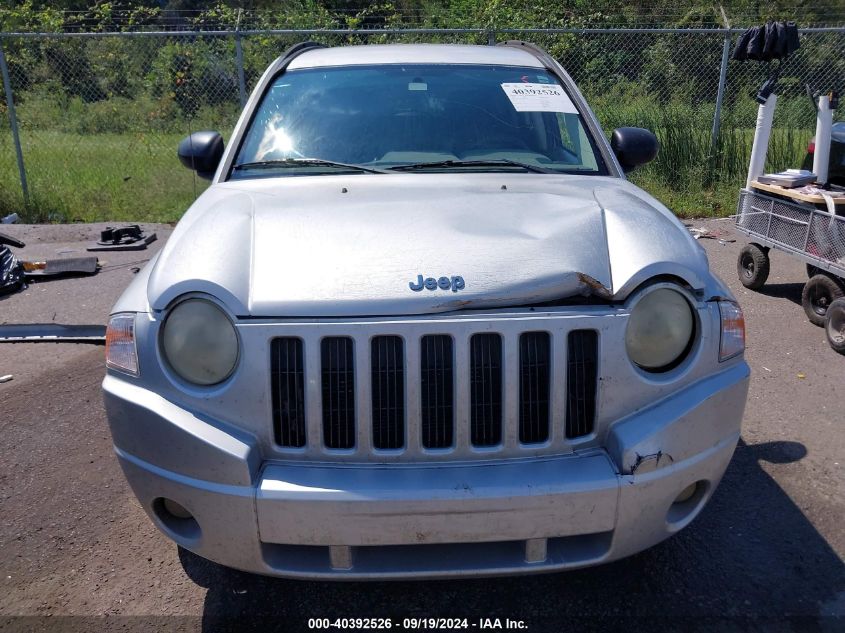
[834, 325]
[752, 266]
[819, 292]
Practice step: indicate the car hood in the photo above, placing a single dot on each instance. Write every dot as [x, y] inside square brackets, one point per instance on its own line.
[340, 246]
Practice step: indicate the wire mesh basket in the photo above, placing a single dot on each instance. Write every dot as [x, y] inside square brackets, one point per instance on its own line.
[796, 228]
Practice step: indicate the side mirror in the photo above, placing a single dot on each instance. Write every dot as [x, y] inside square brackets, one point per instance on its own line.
[633, 146]
[201, 151]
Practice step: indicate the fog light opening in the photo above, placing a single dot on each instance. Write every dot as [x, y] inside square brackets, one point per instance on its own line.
[176, 519]
[687, 504]
[686, 493]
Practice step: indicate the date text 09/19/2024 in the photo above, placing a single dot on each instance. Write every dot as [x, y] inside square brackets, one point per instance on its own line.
[417, 624]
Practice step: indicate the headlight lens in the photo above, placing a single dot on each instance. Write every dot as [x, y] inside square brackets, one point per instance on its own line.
[199, 342]
[660, 329]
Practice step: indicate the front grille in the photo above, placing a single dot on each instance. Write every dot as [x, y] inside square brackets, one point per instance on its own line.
[534, 385]
[581, 373]
[388, 391]
[485, 389]
[287, 374]
[436, 391]
[505, 391]
[338, 373]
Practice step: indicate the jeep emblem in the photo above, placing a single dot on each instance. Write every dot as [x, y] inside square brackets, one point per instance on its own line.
[455, 283]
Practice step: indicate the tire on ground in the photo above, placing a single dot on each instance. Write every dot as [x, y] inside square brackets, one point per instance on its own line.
[752, 266]
[834, 325]
[819, 292]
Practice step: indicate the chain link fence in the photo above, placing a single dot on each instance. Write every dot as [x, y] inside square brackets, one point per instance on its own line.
[100, 114]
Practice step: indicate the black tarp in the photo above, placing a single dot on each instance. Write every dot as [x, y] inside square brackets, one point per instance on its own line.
[774, 40]
[11, 271]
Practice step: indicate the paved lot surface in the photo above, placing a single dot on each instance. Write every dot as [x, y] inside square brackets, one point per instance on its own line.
[765, 555]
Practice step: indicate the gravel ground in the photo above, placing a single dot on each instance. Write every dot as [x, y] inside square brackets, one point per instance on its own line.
[766, 554]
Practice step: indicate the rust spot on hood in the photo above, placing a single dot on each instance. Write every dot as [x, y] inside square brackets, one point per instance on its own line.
[595, 286]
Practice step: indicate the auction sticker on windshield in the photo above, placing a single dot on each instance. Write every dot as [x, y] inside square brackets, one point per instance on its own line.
[527, 97]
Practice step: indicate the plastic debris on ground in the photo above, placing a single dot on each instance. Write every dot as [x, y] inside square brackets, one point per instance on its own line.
[710, 234]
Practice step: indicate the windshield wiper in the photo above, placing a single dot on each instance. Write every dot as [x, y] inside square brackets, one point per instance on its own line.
[307, 162]
[499, 162]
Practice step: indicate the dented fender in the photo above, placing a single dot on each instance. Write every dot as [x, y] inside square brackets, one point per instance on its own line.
[682, 425]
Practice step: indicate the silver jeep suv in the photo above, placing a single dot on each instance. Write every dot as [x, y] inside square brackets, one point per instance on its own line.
[421, 325]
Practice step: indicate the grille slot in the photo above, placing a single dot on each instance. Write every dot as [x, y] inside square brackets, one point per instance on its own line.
[436, 391]
[581, 374]
[287, 376]
[338, 383]
[388, 392]
[486, 389]
[534, 383]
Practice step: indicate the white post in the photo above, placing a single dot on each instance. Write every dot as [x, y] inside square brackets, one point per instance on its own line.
[821, 154]
[765, 114]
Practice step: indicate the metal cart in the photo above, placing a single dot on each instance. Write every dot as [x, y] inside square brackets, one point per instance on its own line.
[803, 228]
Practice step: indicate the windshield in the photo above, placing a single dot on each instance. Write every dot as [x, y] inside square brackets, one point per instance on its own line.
[416, 118]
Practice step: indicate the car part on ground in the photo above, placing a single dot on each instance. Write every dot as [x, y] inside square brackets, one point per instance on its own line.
[834, 325]
[61, 267]
[373, 365]
[52, 333]
[127, 238]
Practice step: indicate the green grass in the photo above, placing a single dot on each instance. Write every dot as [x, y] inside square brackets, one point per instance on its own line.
[101, 177]
[137, 177]
[692, 183]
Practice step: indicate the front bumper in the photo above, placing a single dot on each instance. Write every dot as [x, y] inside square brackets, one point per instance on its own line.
[427, 520]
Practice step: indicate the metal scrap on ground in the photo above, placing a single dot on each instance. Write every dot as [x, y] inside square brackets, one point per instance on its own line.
[52, 333]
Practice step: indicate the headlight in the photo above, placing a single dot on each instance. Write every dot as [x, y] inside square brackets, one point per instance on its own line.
[660, 329]
[199, 342]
